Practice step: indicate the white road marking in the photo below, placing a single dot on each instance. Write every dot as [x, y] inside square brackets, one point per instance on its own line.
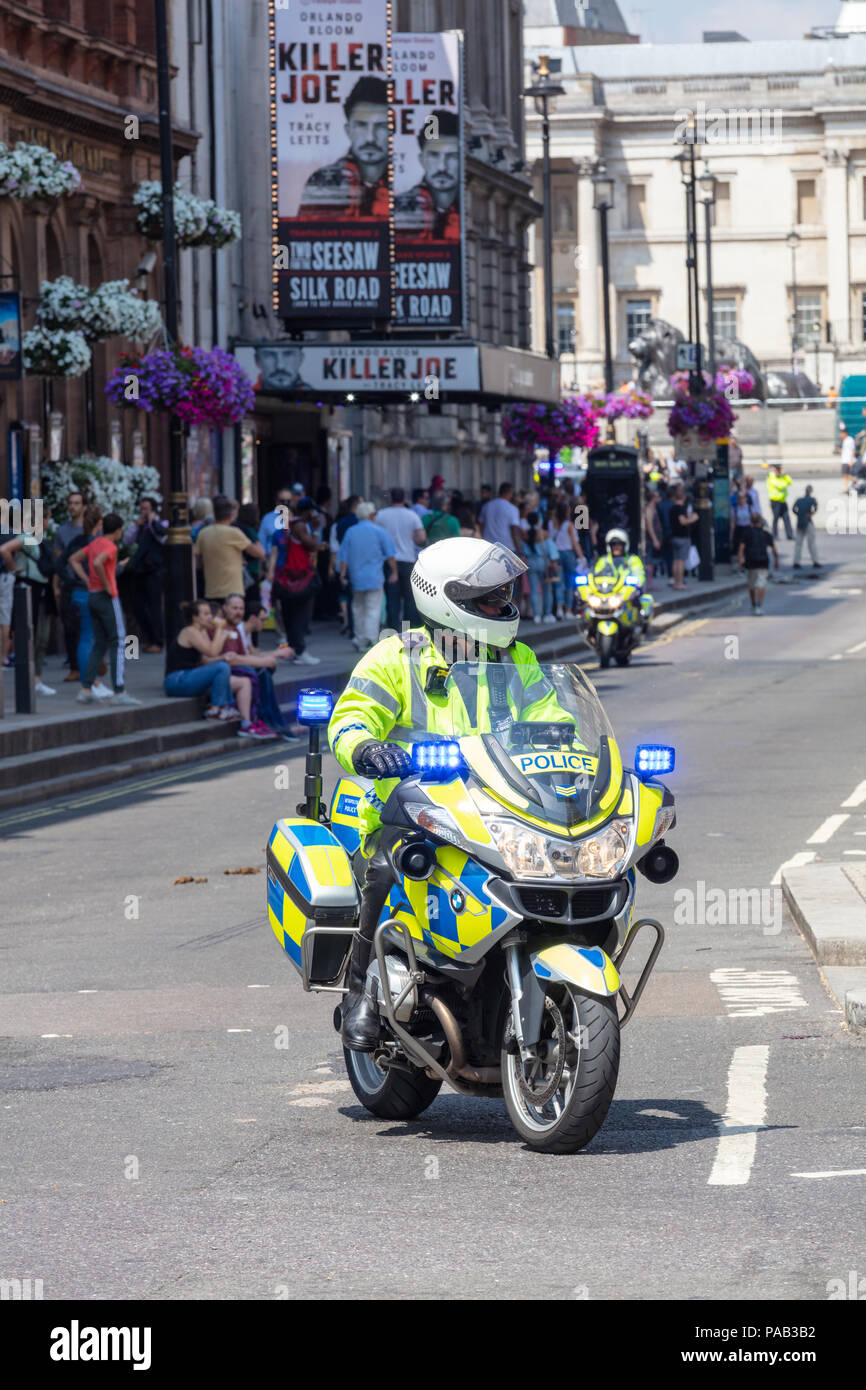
[239, 1030]
[745, 1115]
[859, 648]
[258, 986]
[826, 831]
[839, 1173]
[803, 856]
[837, 657]
[662, 1114]
[87, 991]
[854, 851]
[753, 993]
[857, 797]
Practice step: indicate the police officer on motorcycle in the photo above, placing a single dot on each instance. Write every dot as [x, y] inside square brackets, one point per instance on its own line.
[464, 592]
[619, 558]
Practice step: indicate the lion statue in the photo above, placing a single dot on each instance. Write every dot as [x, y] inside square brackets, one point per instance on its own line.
[655, 349]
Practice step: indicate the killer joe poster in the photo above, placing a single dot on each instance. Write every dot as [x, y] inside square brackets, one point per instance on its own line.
[331, 147]
[428, 180]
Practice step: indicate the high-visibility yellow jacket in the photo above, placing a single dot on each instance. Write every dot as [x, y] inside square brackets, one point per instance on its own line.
[777, 486]
[630, 564]
[387, 699]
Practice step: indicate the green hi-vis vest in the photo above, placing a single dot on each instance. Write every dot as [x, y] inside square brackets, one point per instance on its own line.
[629, 564]
[777, 486]
[386, 699]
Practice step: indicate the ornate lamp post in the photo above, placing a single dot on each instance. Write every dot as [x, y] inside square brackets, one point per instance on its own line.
[707, 195]
[793, 240]
[602, 201]
[543, 92]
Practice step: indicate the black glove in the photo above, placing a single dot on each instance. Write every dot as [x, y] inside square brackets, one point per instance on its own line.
[376, 759]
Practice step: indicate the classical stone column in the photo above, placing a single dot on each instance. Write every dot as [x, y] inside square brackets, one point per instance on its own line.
[836, 220]
[589, 348]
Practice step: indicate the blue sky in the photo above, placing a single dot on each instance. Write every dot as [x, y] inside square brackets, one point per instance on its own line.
[683, 21]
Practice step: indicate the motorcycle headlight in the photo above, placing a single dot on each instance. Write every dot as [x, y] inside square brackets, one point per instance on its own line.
[603, 855]
[615, 600]
[436, 819]
[595, 601]
[531, 855]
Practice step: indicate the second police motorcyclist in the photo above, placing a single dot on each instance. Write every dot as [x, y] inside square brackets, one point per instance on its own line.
[619, 559]
[464, 592]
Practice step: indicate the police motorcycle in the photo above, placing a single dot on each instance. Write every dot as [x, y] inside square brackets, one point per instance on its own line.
[515, 842]
[616, 614]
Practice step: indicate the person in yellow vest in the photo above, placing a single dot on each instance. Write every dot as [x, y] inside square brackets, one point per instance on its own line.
[777, 491]
[464, 590]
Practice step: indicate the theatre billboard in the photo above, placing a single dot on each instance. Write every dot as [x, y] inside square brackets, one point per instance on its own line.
[331, 156]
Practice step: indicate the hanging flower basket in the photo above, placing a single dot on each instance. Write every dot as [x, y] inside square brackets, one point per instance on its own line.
[32, 171]
[736, 382]
[110, 310]
[627, 405]
[200, 386]
[197, 221]
[572, 423]
[709, 414]
[55, 352]
[113, 486]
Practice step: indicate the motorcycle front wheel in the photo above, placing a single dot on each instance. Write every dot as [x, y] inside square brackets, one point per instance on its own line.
[390, 1094]
[559, 1100]
[605, 650]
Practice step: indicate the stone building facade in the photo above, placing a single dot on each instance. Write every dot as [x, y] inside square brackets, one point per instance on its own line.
[782, 126]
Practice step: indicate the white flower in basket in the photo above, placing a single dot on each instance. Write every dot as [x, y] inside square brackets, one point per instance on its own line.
[32, 171]
[55, 352]
[197, 221]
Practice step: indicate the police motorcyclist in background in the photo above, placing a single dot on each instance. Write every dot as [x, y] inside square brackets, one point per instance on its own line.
[464, 592]
[618, 559]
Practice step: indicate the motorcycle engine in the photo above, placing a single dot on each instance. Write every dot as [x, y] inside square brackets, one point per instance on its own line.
[398, 979]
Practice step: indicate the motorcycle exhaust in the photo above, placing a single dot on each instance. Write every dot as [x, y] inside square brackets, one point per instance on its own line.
[458, 1067]
[660, 865]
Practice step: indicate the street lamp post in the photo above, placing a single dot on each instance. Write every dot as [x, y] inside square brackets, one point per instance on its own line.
[686, 160]
[793, 239]
[543, 92]
[178, 566]
[602, 201]
[707, 183]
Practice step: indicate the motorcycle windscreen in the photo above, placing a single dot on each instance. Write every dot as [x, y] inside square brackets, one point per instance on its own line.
[537, 736]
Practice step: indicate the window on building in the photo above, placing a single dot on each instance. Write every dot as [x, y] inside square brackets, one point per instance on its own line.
[808, 318]
[722, 210]
[807, 201]
[638, 312]
[565, 334]
[636, 211]
[563, 211]
[725, 318]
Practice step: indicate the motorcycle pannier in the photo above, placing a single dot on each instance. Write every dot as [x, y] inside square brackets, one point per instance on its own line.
[312, 899]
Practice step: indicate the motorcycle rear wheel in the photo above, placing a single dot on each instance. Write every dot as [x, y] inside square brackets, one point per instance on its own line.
[390, 1094]
[560, 1108]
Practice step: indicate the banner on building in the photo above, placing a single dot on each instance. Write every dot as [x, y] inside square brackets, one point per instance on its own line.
[11, 362]
[428, 370]
[428, 180]
[331, 161]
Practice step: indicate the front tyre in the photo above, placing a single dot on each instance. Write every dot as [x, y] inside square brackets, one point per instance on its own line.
[605, 650]
[390, 1094]
[558, 1101]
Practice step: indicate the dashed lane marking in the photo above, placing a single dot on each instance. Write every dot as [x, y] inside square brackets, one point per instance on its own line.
[754, 993]
[859, 648]
[838, 1173]
[744, 1117]
[826, 831]
[857, 797]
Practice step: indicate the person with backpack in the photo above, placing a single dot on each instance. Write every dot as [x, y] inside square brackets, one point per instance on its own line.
[294, 578]
[30, 562]
[755, 546]
[146, 573]
[439, 523]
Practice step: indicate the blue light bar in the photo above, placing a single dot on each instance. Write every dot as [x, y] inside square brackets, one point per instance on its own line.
[634, 579]
[315, 706]
[580, 580]
[442, 757]
[653, 758]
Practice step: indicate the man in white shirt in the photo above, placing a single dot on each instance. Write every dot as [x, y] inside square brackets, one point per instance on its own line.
[501, 521]
[408, 535]
[849, 453]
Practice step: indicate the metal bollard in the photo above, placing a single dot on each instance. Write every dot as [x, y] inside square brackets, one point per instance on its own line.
[25, 674]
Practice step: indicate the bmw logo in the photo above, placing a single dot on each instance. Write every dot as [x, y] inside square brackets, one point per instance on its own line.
[457, 900]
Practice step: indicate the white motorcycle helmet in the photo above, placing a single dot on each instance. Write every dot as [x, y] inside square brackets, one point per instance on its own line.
[466, 585]
[616, 534]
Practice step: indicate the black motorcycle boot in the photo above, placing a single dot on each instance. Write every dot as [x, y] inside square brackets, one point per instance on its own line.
[361, 1025]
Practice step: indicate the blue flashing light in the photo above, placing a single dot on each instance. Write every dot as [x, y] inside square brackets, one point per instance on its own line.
[440, 759]
[315, 706]
[652, 759]
[580, 580]
[633, 579]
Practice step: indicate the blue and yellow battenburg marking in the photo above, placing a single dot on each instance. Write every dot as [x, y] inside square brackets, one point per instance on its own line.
[346, 808]
[314, 864]
[450, 911]
[585, 966]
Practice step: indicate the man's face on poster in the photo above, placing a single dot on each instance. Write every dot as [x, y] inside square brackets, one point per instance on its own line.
[280, 367]
[367, 129]
[440, 160]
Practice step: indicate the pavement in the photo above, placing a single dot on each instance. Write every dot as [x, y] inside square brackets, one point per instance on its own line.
[179, 1123]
